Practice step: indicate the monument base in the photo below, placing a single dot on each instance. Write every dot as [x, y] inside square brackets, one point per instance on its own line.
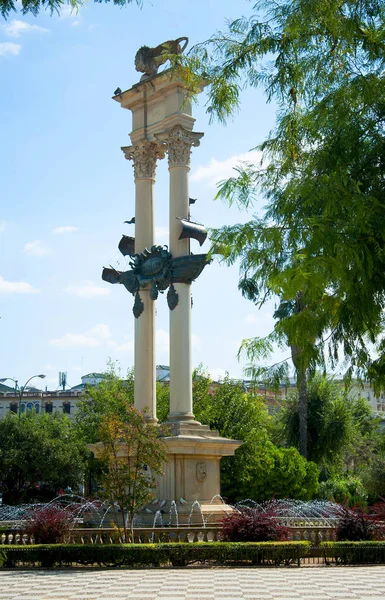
[189, 491]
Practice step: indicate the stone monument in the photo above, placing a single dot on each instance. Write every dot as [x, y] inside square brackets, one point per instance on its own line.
[162, 124]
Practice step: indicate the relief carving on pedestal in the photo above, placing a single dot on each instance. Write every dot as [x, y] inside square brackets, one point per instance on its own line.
[201, 471]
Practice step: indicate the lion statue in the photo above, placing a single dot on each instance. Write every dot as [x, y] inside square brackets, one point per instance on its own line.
[148, 60]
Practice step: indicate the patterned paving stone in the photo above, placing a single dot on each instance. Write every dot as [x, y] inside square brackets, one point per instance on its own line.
[331, 583]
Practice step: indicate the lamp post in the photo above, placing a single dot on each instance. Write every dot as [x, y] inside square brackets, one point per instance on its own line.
[21, 389]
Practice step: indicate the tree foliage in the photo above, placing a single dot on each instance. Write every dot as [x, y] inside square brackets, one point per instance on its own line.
[132, 453]
[111, 396]
[340, 426]
[259, 470]
[321, 235]
[35, 6]
[38, 449]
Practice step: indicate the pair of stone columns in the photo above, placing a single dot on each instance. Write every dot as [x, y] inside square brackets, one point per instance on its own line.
[177, 143]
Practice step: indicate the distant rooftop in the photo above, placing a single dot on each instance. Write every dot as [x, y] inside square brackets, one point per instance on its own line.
[96, 375]
[5, 388]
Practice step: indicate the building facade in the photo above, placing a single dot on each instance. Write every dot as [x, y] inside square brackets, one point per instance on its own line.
[65, 401]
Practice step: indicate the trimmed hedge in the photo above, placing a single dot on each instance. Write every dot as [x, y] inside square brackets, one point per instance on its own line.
[352, 553]
[133, 555]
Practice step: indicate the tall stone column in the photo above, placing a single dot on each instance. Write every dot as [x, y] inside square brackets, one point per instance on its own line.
[178, 143]
[144, 155]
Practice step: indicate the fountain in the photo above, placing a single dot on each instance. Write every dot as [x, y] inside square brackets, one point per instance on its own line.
[93, 513]
[174, 511]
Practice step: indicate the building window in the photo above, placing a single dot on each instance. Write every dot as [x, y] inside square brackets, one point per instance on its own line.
[13, 407]
[67, 408]
[48, 408]
[30, 406]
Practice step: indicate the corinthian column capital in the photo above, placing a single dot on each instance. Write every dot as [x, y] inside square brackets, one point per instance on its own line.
[144, 155]
[178, 143]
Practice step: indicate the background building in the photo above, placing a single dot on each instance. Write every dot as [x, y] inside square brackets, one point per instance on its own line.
[65, 401]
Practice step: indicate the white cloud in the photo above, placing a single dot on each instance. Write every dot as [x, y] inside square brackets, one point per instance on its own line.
[16, 287]
[97, 336]
[89, 290]
[49, 367]
[75, 340]
[217, 170]
[2, 226]
[125, 347]
[65, 229]
[217, 373]
[252, 318]
[36, 248]
[101, 331]
[75, 23]
[16, 28]
[9, 48]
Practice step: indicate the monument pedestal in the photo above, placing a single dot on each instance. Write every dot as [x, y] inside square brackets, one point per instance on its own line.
[191, 480]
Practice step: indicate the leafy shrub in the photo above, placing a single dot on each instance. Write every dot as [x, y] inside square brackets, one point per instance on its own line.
[253, 525]
[49, 524]
[357, 525]
[377, 511]
[178, 554]
[352, 553]
[347, 490]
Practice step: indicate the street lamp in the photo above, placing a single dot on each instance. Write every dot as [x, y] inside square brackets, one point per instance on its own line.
[21, 389]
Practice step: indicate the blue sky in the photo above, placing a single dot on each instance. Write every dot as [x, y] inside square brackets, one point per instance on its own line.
[66, 190]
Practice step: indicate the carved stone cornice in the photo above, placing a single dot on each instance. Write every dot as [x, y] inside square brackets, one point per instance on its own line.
[144, 155]
[178, 143]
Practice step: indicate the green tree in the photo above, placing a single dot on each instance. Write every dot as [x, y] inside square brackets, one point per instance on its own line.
[372, 469]
[332, 427]
[259, 470]
[35, 6]
[320, 240]
[38, 449]
[346, 489]
[111, 396]
[132, 453]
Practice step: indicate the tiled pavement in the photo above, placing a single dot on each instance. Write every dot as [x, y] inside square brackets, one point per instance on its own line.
[318, 583]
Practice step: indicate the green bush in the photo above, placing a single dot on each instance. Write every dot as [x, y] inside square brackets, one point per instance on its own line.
[349, 553]
[132, 555]
[347, 490]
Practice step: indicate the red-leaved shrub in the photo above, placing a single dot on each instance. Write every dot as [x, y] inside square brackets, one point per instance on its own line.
[49, 524]
[378, 510]
[253, 525]
[356, 525]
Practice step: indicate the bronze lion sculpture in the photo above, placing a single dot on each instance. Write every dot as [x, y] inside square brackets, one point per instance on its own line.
[148, 60]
